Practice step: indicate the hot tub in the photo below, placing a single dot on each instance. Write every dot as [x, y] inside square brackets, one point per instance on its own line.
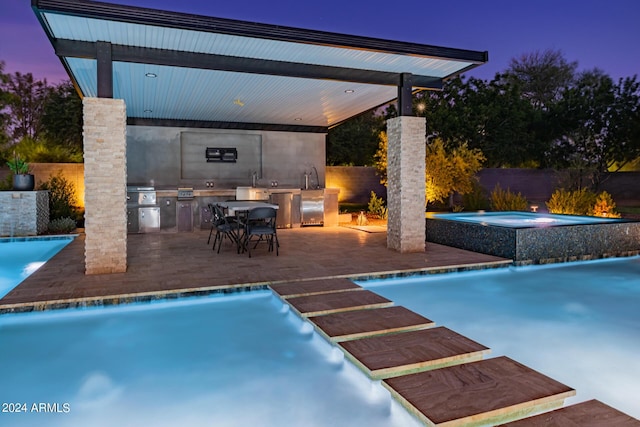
[531, 238]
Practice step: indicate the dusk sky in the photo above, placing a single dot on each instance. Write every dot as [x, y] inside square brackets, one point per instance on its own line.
[595, 33]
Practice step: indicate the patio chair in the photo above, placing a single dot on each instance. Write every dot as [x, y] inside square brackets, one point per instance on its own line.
[261, 224]
[213, 221]
[226, 227]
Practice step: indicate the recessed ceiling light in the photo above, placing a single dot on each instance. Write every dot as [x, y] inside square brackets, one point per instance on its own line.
[349, 91]
[151, 75]
[298, 119]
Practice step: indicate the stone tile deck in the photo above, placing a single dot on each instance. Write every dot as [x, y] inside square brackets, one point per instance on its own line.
[176, 264]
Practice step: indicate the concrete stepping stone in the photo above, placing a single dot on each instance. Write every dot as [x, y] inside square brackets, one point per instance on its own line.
[351, 325]
[490, 391]
[591, 413]
[409, 352]
[313, 287]
[318, 305]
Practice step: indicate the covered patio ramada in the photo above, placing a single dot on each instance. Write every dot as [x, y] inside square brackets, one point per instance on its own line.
[142, 67]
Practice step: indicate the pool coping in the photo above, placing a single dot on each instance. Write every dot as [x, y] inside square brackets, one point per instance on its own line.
[173, 294]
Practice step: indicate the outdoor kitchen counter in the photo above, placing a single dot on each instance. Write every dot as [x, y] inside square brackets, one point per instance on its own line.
[208, 192]
[222, 192]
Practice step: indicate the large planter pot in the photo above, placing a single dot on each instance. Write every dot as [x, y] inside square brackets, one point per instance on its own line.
[24, 182]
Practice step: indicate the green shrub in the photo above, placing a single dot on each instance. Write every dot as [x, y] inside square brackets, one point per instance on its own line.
[476, 199]
[61, 197]
[578, 202]
[376, 206]
[62, 225]
[505, 200]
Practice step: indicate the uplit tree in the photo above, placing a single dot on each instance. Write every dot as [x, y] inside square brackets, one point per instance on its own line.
[448, 170]
[380, 158]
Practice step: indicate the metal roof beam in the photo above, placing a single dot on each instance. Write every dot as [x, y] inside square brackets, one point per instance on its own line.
[143, 55]
[105, 70]
[204, 124]
[144, 16]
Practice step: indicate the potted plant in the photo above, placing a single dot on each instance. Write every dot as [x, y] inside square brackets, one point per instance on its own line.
[22, 179]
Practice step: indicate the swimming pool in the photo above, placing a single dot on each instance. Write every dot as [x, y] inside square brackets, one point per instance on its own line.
[21, 256]
[528, 238]
[577, 323]
[239, 360]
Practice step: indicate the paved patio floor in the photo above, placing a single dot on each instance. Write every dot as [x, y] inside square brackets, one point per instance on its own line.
[164, 265]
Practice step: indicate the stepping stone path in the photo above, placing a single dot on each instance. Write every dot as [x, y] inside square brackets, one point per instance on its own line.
[437, 374]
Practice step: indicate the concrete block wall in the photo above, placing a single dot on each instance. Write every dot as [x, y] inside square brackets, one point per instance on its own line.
[406, 185]
[155, 157]
[355, 183]
[24, 213]
[72, 172]
[105, 124]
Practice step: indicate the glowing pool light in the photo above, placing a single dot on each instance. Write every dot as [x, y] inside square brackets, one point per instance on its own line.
[543, 220]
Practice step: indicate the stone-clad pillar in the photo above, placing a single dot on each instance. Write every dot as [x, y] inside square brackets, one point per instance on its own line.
[105, 178]
[406, 230]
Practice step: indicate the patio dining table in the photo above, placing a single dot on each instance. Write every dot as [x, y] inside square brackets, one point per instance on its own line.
[239, 210]
[239, 207]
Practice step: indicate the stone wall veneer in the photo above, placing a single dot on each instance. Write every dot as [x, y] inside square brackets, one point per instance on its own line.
[105, 176]
[24, 213]
[406, 184]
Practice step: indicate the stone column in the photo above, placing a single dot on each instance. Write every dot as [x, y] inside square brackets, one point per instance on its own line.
[406, 230]
[105, 177]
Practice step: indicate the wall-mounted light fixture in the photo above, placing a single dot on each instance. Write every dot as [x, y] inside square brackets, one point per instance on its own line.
[151, 75]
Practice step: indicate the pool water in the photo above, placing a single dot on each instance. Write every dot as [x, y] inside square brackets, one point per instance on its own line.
[523, 219]
[578, 323]
[20, 257]
[241, 360]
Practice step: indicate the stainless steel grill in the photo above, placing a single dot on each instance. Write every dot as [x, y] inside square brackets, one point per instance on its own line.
[143, 212]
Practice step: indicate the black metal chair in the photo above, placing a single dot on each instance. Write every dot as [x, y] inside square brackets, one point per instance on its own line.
[261, 224]
[213, 221]
[226, 227]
